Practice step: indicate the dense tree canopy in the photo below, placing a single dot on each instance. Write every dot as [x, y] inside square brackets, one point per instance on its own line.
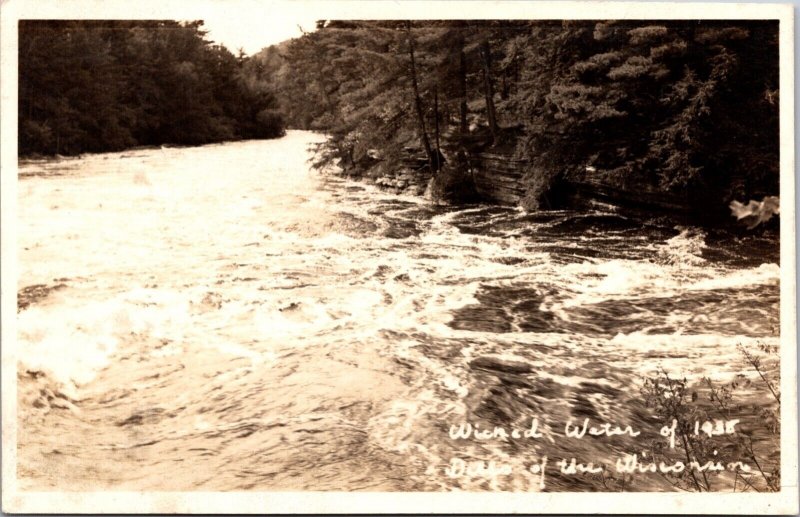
[685, 106]
[107, 85]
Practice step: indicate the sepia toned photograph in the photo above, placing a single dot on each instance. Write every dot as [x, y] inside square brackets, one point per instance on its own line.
[462, 254]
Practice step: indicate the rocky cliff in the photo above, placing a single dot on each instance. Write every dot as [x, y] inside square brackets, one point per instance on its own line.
[500, 178]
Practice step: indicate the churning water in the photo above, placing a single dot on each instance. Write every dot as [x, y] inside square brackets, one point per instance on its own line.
[225, 318]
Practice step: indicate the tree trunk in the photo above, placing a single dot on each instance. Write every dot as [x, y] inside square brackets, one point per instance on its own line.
[423, 134]
[462, 86]
[437, 163]
[488, 89]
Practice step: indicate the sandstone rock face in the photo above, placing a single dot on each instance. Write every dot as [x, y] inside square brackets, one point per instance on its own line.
[498, 178]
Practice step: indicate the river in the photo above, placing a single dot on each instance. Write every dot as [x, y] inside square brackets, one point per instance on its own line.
[225, 318]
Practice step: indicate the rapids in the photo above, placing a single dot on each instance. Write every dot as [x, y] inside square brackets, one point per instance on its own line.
[225, 318]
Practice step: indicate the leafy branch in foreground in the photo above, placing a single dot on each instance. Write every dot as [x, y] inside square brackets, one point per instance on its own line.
[754, 404]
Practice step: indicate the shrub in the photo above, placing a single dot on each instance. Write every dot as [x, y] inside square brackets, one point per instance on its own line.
[756, 441]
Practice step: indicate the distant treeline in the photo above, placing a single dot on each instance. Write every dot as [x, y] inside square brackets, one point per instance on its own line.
[89, 86]
[685, 106]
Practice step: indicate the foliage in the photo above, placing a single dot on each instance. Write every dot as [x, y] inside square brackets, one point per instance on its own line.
[454, 182]
[89, 86]
[674, 103]
[755, 405]
[686, 107]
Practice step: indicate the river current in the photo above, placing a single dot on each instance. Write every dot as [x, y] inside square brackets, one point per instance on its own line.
[225, 318]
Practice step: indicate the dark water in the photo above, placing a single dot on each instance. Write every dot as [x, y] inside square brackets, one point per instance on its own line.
[222, 318]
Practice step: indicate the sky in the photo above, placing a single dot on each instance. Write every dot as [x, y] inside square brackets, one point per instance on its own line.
[256, 32]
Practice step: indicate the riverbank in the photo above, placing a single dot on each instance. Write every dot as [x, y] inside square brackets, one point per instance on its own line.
[498, 177]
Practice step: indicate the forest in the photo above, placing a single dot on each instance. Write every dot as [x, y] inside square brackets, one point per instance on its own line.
[93, 86]
[688, 108]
